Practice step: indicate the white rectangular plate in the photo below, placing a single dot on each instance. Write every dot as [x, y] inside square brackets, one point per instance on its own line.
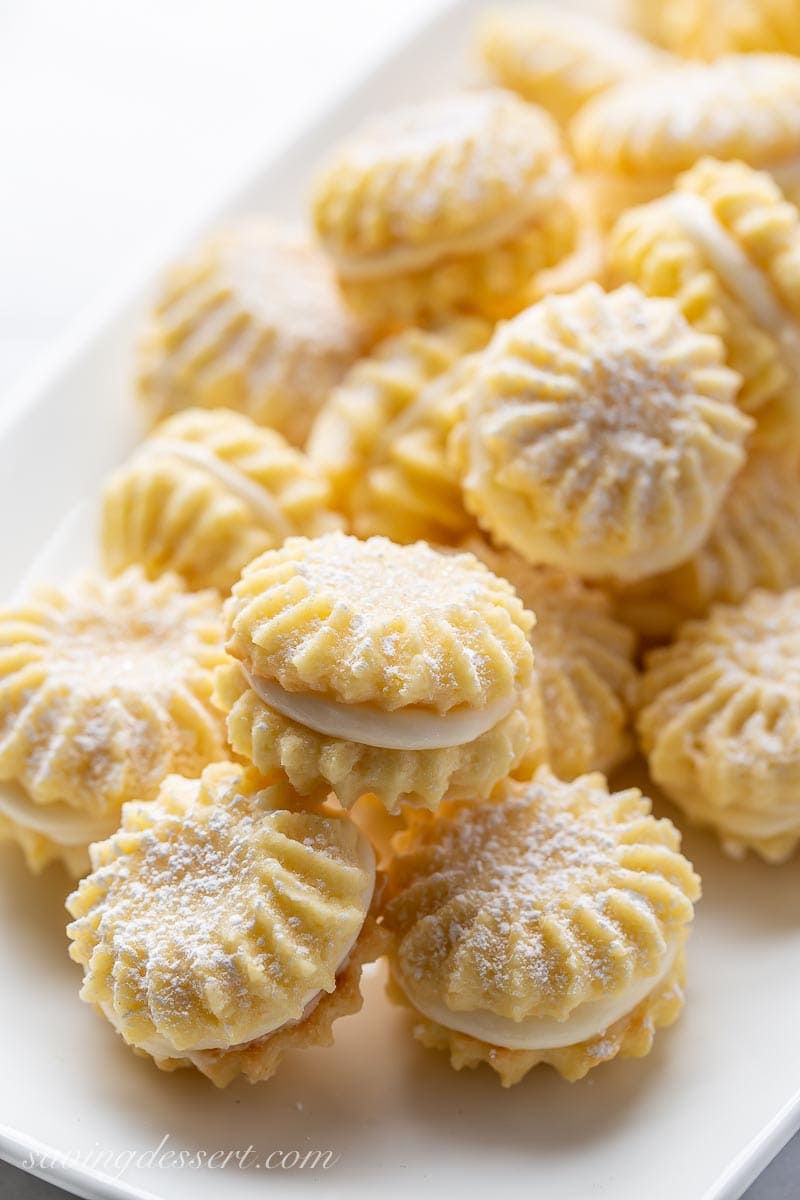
[699, 1117]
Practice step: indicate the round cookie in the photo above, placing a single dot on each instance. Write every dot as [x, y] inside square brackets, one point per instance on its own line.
[754, 544]
[372, 667]
[207, 492]
[584, 669]
[251, 320]
[633, 140]
[410, 490]
[105, 687]
[711, 28]
[546, 925]
[720, 722]
[725, 244]
[559, 59]
[451, 204]
[352, 426]
[225, 923]
[601, 434]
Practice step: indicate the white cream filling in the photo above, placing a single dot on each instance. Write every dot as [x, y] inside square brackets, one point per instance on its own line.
[60, 822]
[544, 1033]
[408, 259]
[403, 729]
[743, 279]
[263, 506]
[160, 1046]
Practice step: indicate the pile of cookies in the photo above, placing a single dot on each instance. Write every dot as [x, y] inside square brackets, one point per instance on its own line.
[445, 510]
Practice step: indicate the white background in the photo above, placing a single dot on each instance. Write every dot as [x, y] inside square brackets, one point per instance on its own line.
[119, 123]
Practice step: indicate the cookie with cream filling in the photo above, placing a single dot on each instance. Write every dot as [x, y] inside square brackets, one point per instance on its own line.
[207, 492]
[719, 721]
[373, 667]
[218, 924]
[451, 204]
[546, 924]
[105, 688]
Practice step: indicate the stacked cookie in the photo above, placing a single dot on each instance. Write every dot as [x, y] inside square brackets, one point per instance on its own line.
[419, 492]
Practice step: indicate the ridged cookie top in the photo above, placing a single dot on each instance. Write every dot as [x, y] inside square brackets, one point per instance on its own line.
[739, 107]
[559, 59]
[725, 244]
[355, 421]
[218, 911]
[601, 433]
[710, 28]
[584, 669]
[442, 169]
[105, 687]
[377, 623]
[548, 896]
[754, 544]
[730, 684]
[252, 320]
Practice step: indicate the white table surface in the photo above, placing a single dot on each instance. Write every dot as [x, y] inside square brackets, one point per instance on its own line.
[121, 121]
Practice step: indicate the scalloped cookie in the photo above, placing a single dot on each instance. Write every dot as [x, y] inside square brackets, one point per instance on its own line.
[450, 204]
[584, 669]
[720, 722]
[711, 28]
[725, 244]
[207, 492]
[546, 925]
[754, 544]
[252, 320]
[372, 667]
[559, 59]
[633, 140]
[105, 688]
[225, 923]
[601, 434]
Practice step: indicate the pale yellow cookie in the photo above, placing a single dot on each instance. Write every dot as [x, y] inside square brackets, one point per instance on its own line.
[411, 490]
[207, 492]
[601, 434]
[372, 667]
[251, 320]
[711, 28]
[558, 58]
[754, 544]
[218, 917]
[584, 669]
[633, 140]
[105, 688]
[720, 722]
[352, 425]
[545, 925]
[451, 204]
[725, 244]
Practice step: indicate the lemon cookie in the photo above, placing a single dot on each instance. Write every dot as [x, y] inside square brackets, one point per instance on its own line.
[205, 494]
[601, 434]
[372, 667]
[711, 28]
[634, 139]
[559, 59]
[546, 925]
[726, 245]
[105, 687]
[353, 424]
[754, 544]
[224, 924]
[455, 203]
[584, 669]
[411, 490]
[720, 724]
[253, 320]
